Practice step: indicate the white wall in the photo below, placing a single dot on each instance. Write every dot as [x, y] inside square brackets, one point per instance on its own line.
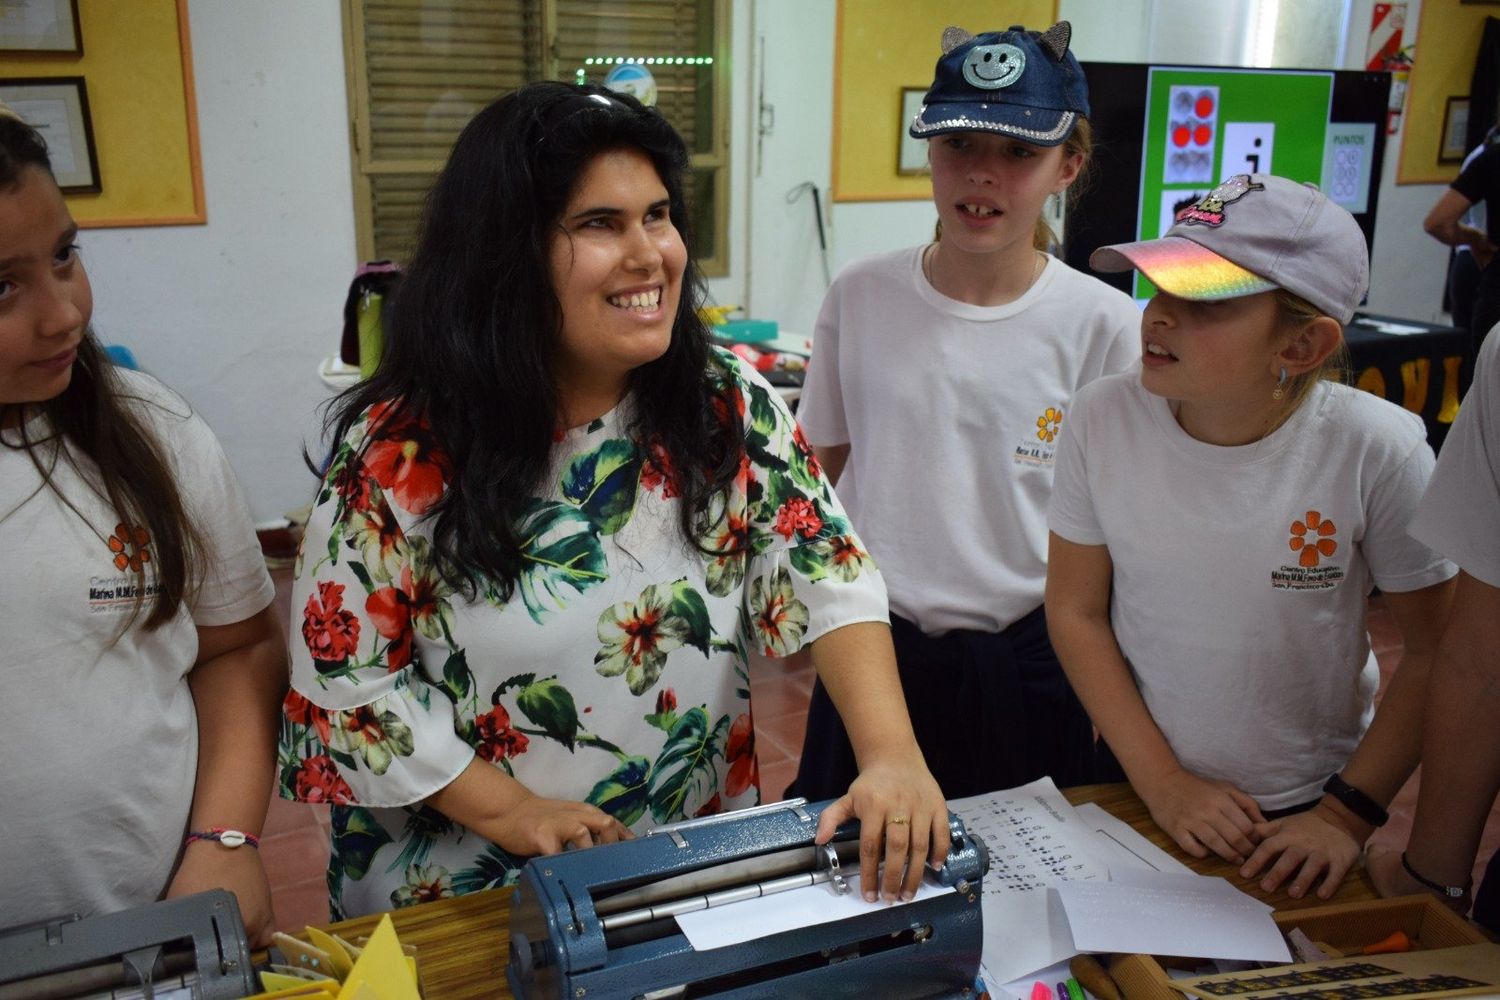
[236, 314]
[786, 278]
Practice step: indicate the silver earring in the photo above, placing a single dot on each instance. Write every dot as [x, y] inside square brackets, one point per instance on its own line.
[1280, 389]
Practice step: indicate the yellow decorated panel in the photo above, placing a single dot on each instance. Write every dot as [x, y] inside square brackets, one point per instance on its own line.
[883, 46]
[137, 68]
[1448, 36]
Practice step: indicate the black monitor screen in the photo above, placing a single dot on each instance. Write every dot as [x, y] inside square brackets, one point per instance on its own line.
[1165, 135]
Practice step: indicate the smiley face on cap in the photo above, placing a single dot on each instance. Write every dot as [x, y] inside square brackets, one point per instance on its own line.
[991, 67]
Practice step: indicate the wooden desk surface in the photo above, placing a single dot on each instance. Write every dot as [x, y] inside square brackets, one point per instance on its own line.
[462, 942]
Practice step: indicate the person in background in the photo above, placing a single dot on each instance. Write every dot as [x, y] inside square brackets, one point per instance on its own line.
[143, 663]
[1460, 517]
[555, 524]
[1219, 521]
[1463, 269]
[1477, 186]
[939, 379]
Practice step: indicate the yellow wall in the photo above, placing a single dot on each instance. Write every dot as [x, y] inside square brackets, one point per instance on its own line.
[137, 68]
[883, 46]
[1448, 36]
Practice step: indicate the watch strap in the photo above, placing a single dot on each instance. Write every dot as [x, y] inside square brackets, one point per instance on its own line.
[1356, 801]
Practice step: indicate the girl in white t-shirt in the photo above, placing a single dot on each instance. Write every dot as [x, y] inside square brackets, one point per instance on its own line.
[142, 664]
[1218, 521]
[939, 378]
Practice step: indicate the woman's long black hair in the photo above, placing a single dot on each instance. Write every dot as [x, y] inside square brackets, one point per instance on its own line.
[472, 330]
[133, 475]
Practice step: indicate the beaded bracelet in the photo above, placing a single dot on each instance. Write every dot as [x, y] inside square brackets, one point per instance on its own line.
[225, 836]
[1451, 891]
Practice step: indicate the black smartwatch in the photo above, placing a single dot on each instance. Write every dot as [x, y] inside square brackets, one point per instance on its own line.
[1356, 801]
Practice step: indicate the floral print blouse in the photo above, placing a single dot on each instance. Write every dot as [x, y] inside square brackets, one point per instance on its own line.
[617, 674]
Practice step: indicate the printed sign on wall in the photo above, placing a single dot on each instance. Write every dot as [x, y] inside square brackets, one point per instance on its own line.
[1191, 134]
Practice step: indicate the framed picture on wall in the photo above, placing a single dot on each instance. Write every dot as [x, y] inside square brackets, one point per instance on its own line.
[911, 154]
[58, 108]
[40, 26]
[1455, 128]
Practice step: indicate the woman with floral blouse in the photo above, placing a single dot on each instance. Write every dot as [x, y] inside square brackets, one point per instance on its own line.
[555, 525]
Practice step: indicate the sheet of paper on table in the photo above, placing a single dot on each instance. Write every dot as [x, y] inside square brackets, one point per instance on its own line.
[720, 926]
[1036, 841]
[1119, 846]
[1160, 913]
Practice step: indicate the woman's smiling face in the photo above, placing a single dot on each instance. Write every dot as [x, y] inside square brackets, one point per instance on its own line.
[617, 268]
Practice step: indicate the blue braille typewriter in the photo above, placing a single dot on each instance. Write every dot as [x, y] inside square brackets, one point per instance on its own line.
[601, 923]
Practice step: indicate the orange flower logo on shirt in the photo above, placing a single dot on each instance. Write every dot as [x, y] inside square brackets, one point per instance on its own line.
[1048, 423]
[129, 546]
[1313, 537]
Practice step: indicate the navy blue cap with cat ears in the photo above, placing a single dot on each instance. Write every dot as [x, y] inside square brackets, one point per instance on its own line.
[1014, 82]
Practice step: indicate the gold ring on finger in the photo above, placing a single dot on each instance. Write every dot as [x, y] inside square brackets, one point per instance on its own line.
[897, 821]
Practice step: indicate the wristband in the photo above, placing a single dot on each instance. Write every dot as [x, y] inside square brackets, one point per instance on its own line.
[1356, 801]
[225, 836]
[1451, 891]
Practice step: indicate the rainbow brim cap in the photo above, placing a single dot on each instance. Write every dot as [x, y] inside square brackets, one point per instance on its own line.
[1180, 267]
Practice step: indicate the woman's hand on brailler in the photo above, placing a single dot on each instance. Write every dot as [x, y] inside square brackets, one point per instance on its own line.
[1304, 846]
[501, 809]
[535, 825]
[1204, 816]
[209, 865]
[903, 820]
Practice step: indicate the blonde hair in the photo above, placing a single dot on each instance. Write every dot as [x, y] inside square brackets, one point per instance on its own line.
[1079, 142]
[1293, 312]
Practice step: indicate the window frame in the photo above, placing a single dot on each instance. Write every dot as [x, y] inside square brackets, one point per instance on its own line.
[713, 260]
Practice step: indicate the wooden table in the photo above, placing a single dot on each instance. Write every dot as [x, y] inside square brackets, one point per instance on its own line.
[462, 943]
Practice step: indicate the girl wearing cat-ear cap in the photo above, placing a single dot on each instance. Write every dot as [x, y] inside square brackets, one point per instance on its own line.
[940, 377]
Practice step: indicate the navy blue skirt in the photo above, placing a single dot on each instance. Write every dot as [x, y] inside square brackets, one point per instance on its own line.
[990, 710]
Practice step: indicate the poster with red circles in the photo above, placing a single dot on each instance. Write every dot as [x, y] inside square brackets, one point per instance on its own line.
[1204, 124]
[1192, 128]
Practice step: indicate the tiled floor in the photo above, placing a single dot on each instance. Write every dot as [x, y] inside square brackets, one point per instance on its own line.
[295, 845]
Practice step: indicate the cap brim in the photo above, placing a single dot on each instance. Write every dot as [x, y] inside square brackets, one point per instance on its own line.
[1038, 126]
[1182, 268]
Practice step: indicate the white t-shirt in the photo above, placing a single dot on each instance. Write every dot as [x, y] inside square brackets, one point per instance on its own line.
[952, 412]
[101, 740]
[1460, 515]
[1240, 573]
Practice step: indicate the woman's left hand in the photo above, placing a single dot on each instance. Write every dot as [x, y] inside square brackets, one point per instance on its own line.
[903, 819]
[207, 865]
[1307, 844]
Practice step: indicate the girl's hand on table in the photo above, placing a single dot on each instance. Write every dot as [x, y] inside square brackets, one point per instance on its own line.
[903, 819]
[1303, 847]
[1204, 816]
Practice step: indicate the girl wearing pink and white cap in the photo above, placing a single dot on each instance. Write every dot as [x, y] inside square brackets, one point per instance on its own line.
[1218, 520]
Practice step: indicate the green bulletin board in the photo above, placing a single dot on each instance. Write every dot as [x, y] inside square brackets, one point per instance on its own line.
[1204, 125]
